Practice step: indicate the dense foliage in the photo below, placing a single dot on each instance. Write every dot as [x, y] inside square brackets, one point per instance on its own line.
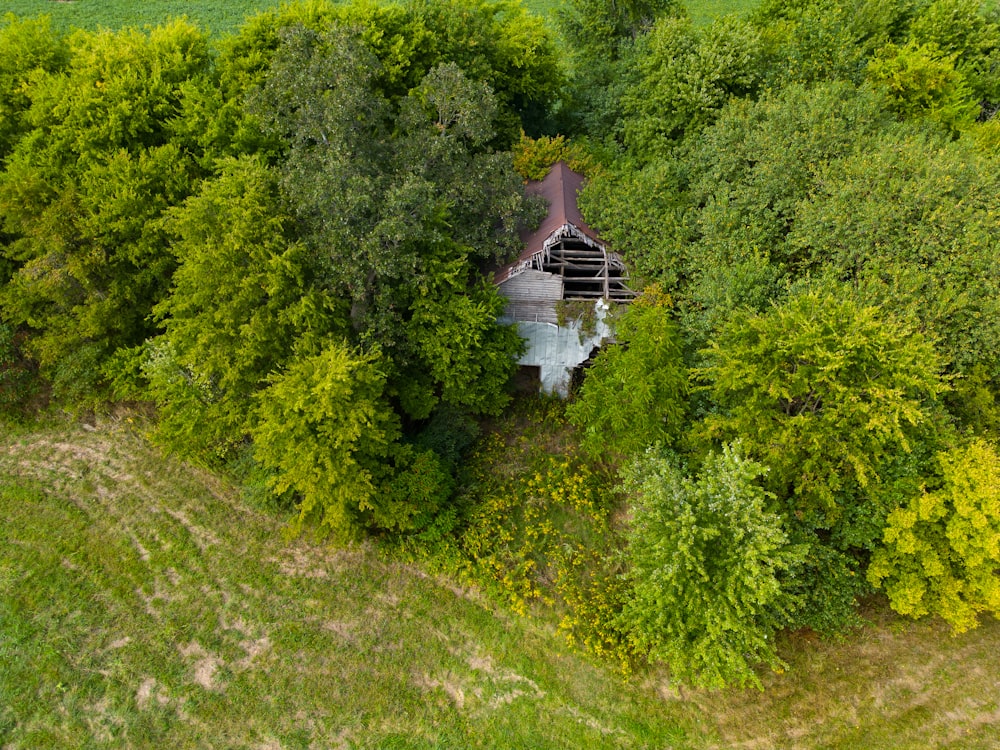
[634, 394]
[814, 185]
[283, 239]
[706, 558]
[942, 548]
[282, 245]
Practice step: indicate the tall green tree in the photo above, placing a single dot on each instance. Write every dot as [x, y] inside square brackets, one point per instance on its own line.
[685, 76]
[912, 220]
[921, 81]
[842, 403]
[634, 394]
[502, 45]
[29, 48]
[970, 34]
[329, 298]
[821, 389]
[325, 430]
[392, 198]
[494, 42]
[600, 37]
[82, 193]
[820, 41]
[706, 557]
[243, 299]
[710, 220]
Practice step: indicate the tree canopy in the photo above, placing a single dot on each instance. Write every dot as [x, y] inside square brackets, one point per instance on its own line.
[813, 186]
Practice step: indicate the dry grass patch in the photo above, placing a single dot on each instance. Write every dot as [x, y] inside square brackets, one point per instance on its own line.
[891, 684]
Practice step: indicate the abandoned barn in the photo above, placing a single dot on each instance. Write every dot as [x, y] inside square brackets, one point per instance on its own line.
[562, 286]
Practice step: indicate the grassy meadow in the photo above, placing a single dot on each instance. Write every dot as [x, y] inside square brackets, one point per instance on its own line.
[143, 603]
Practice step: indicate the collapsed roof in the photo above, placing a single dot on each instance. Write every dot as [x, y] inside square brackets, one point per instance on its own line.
[564, 246]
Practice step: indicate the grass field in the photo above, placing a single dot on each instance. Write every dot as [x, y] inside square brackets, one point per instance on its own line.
[222, 17]
[143, 603]
[216, 17]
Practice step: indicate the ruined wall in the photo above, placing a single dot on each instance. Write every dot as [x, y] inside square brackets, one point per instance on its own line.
[532, 296]
[557, 350]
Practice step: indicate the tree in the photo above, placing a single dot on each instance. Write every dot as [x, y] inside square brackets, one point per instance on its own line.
[627, 204]
[325, 430]
[461, 356]
[706, 558]
[963, 30]
[942, 548]
[496, 43]
[243, 299]
[597, 30]
[28, 49]
[842, 403]
[501, 45]
[447, 126]
[599, 38]
[381, 195]
[634, 394]
[323, 427]
[921, 81]
[821, 41]
[911, 221]
[328, 300]
[685, 76]
[821, 389]
[82, 193]
[751, 169]
[710, 222]
[17, 382]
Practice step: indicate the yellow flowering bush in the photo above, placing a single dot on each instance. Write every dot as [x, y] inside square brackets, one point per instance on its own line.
[536, 529]
[593, 592]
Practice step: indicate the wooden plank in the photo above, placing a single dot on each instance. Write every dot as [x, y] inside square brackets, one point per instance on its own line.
[605, 273]
[532, 312]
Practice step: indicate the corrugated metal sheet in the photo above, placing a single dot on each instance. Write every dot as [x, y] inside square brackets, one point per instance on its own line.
[556, 350]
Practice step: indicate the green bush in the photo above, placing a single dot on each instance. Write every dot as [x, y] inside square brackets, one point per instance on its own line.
[706, 559]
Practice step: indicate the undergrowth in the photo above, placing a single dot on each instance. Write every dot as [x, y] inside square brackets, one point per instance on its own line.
[533, 526]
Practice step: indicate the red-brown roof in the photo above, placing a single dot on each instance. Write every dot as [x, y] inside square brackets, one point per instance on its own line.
[559, 188]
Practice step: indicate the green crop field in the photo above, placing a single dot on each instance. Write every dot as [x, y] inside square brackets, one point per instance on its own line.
[223, 17]
[217, 17]
[143, 603]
